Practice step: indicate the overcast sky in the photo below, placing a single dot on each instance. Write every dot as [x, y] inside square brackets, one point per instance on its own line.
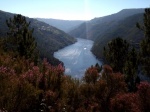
[70, 9]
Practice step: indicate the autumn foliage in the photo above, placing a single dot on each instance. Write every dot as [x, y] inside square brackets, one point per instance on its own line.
[26, 86]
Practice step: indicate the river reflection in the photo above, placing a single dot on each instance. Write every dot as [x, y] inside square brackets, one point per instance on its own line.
[77, 57]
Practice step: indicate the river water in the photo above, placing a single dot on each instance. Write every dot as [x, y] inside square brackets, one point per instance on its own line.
[77, 57]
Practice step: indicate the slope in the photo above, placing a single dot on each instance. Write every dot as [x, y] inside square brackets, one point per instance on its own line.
[64, 25]
[125, 29]
[100, 26]
[49, 39]
[102, 30]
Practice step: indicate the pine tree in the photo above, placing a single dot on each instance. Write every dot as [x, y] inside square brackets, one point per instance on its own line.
[20, 37]
[145, 43]
[130, 69]
[116, 54]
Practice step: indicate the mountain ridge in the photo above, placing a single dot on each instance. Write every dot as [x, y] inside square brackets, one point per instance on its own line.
[86, 27]
[64, 25]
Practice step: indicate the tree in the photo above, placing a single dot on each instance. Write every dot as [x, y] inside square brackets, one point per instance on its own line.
[145, 43]
[144, 94]
[109, 85]
[91, 75]
[130, 69]
[20, 37]
[116, 53]
[126, 102]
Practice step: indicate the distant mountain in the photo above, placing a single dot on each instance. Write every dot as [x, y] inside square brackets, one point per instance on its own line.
[99, 26]
[102, 30]
[49, 39]
[64, 25]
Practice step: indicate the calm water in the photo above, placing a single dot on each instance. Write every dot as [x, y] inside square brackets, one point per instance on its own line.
[77, 57]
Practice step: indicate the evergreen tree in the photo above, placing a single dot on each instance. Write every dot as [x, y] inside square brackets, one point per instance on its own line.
[145, 43]
[130, 69]
[116, 54]
[20, 37]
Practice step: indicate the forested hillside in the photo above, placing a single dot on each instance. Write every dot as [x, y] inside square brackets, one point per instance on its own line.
[64, 25]
[49, 39]
[100, 26]
[125, 29]
[102, 30]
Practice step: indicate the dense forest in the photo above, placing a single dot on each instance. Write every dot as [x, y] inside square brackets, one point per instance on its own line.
[28, 84]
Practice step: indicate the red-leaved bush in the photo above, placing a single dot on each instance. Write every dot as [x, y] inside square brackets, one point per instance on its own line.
[128, 102]
[91, 75]
[144, 95]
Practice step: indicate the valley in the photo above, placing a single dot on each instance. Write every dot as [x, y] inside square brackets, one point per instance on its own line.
[93, 57]
[48, 38]
[103, 29]
[100, 30]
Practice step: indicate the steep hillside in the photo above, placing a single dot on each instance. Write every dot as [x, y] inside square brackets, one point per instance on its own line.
[100, 26]
[49, 39]
[102, 30]
[125, 29]
[64, 25]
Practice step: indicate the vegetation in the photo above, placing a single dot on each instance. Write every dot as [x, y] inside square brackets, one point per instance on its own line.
[145, 44]
[49, 39]
[64, 25]
[110, 26]
[103, 29]
[117, 50]
[125, 29]
[29, 87]
[20, 39]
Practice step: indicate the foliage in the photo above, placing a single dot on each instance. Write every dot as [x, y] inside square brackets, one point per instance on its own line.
[117, 50]
[125, 103]
[29, 87]
[133, 102]
[15, 94]
[48, 38]
[123, 59]
[91, 75]
[20, 37]
[130, 69]
[97, 95]
[110, 84]
[145, 43]
[144, 94]
[22, 83]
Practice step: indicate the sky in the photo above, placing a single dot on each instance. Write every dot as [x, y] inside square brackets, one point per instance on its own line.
[69, 9]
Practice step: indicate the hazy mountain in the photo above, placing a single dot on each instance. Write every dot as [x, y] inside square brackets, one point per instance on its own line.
[49, 39]
[99, 26]
[104, 29]
[125, 29]
[64, 25]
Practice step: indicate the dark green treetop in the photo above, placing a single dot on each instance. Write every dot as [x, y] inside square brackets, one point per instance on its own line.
[20, 37]
[116, 53]
[145, 43]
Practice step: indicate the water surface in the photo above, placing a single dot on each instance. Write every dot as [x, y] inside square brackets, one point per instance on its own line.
[77, 57]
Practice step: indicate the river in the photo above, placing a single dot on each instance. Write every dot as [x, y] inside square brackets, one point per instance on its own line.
[77, 57]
